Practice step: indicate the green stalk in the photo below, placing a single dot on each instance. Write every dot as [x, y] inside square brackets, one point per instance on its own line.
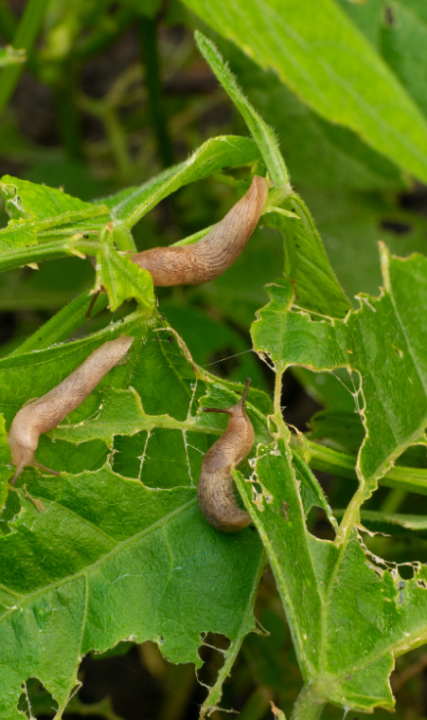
[307, 706]
[45, 251]
[319, 457]
[8, 22]
[99, 42]
[63, 324]
[150, 58]
[193, 238]
[118, 142]
[24, 38]
[67, 113]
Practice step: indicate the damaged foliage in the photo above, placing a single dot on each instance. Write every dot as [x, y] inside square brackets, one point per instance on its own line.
[116, 548]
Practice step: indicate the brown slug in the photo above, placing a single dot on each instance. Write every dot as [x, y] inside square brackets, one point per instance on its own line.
[210, 257]
[48, 411]
[215, 491]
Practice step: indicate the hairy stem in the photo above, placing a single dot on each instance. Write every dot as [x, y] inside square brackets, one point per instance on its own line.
[307, 706]
[45, 251]
[63, 324]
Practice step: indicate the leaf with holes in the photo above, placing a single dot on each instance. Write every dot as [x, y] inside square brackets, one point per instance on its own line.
[349, 616]
[94, 557]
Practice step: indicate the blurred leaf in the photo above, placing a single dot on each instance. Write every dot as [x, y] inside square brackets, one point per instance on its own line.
[214, 345]
[367, 16]
[393, 523]
[404, 47]
[331, 66]
[338, 428]
[318, 154]
[333, 391]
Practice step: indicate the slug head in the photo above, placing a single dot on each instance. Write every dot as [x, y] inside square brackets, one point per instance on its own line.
[235, 410]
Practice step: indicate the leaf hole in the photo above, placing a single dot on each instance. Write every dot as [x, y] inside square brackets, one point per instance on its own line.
[226, 359]
[213, 653]
[406, 572]
[318, 524]
[34, 695]
[396, 226]
[389, 16]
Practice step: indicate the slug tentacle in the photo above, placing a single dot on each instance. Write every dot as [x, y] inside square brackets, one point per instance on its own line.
[210, 257]
[48, 411]
[215, 491]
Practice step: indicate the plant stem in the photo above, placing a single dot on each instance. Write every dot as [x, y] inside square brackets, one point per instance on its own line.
[99, 42]
[278, 393]
[393, 500]
[7, 22]
[67, 113]
[307, 706]
[319, 457]
[118, 142]
[63, 324]
[45, 251]
[24, 38]
[150, 58]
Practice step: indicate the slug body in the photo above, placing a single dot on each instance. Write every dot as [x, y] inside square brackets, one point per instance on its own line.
[48, 411]
[215, 491]
[210, 257]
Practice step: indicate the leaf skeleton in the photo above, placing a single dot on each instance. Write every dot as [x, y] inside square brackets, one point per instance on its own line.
[191, 265]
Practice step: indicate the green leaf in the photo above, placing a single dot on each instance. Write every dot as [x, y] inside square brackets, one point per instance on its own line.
[5, 459]
[382, 340]
[306, 263]
[404, 48]
[342, 430]
[393, 523]
[331, 66]
[260, 131]
[368, 17]
[123, 279]
[10, 56]
[29, 201]
[119, 538]
[349, 617]
[114, 580]
[11, 238]
[64, 323]
[130, 205]
[319, 155]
